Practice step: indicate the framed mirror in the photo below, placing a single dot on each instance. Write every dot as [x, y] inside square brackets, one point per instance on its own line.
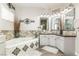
[69, 24]
[44, 23]
[69, 20]
[55, 23]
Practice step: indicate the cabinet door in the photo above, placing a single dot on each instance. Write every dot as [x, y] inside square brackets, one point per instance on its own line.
[60, 43]
[44, 40]
[57, 42]
[52, 40]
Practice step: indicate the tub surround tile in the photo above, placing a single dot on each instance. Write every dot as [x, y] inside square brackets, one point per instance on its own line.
[25, 48]
[16, 51]
[32, 45]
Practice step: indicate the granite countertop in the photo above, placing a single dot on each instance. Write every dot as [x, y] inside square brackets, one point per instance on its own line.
[65, 33]
[69, 34]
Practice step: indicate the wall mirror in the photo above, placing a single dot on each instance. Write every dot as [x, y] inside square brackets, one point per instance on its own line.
[55, 23]
[69, 20]
[44, 23]
[69, 24]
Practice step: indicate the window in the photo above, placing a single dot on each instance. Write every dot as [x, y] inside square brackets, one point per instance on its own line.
[6, 13]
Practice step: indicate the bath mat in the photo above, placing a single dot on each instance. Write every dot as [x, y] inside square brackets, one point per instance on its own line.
[50, 49]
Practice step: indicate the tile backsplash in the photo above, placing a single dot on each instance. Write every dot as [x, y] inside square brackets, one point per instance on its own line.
[10, 34]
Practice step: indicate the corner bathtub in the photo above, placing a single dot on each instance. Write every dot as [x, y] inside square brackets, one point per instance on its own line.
[21, 46]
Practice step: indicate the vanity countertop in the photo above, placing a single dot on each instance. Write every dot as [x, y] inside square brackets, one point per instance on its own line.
[69, 33]
[65, 33]
[50, 33]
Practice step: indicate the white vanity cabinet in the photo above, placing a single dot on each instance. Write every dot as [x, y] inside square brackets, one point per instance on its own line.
[66, 45]
[47, 40]
[63, 43]
[2, 45]
[69, 46]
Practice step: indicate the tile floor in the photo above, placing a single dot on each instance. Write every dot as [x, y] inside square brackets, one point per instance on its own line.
[46, 53]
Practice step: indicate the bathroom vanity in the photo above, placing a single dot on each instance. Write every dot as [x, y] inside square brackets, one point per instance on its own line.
[64, 40]
[66, 44]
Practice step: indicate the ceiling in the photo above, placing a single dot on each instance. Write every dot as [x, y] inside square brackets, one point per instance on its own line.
[40, 5]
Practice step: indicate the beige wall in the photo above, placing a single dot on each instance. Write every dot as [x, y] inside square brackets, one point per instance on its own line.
[31, 13]
[34, 14]
[0, 11]
[77, 28]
